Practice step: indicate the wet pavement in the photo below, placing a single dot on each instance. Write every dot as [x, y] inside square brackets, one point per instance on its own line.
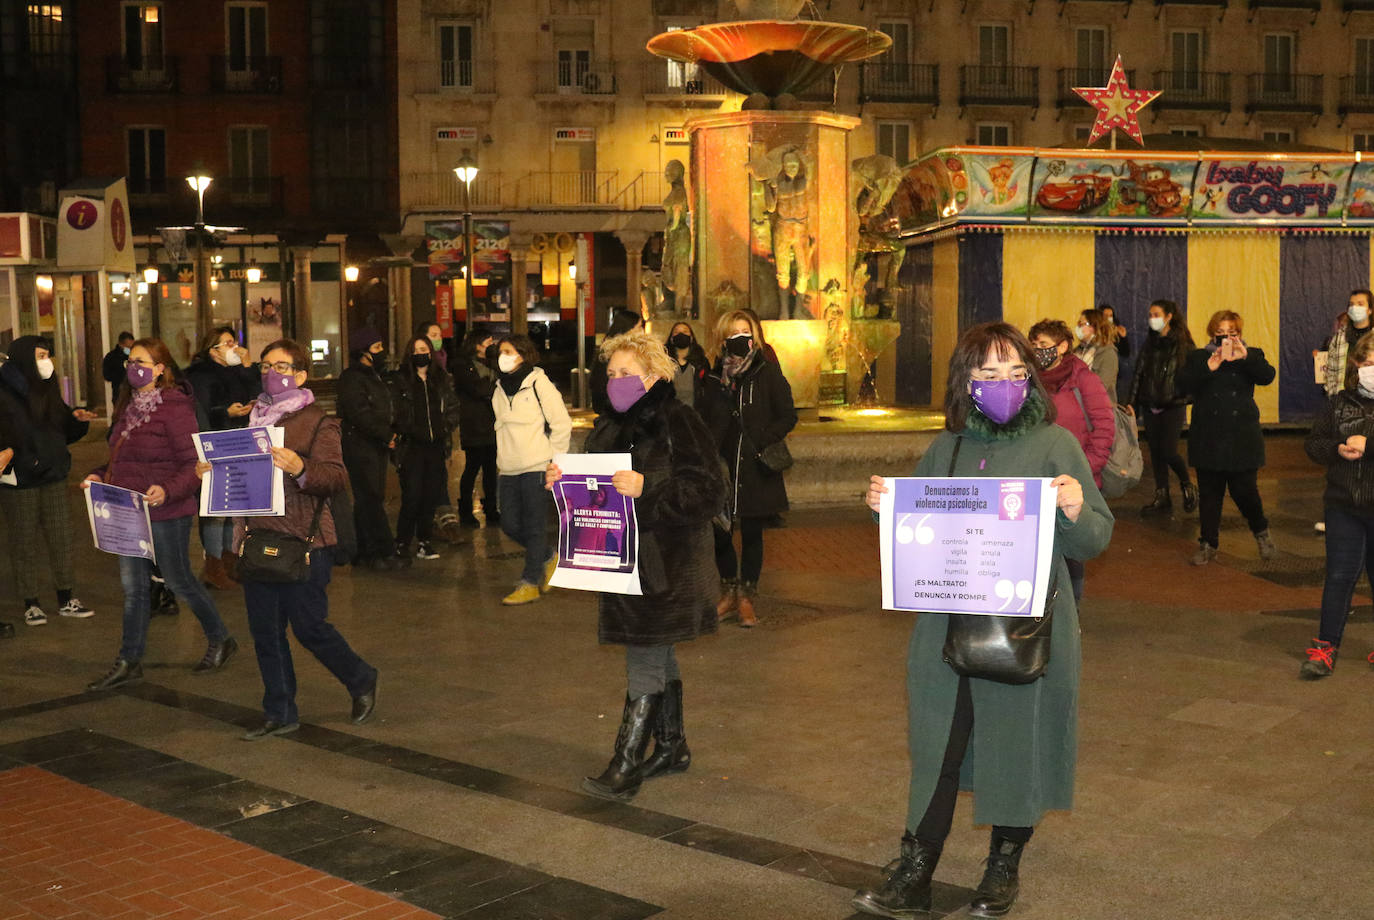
[1211, 782]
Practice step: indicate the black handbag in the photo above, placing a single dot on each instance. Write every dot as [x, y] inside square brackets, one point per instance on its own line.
[776, 456]
[1006, 649]
[278, 558]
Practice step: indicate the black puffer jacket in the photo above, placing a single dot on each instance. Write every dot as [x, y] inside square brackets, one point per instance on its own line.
[1349, 483]
[761, 398]
[1155, 384]
[424, 411]
[1225, 433]
[364, 406]
[217, 387]
[670, 446]
[34, 421]
[476, 421]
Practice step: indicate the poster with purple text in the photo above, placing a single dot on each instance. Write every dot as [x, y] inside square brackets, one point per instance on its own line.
[598, 539]
[967, 545]
[119, 521]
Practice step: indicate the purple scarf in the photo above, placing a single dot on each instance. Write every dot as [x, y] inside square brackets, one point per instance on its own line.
[140, 408]
[269, 411]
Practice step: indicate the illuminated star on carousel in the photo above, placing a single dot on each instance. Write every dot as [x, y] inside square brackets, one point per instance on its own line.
[1118, 106]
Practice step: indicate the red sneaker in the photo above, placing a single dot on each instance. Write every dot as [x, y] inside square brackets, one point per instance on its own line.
[1321, 661]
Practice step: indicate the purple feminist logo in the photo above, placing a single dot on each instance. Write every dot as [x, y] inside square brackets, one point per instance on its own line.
[1012, 504]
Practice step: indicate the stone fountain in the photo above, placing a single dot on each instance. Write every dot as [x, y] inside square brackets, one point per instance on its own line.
[775, 223]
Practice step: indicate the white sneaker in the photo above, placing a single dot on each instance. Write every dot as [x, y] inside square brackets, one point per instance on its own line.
[1319, 527]
[34, 616]
[74, 608]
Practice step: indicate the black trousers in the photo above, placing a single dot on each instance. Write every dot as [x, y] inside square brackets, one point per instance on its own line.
[478, 460]
[1162, 431]
[1211, 494]
[366, 464]
[424, 477]
[939, 816]
[750, 562]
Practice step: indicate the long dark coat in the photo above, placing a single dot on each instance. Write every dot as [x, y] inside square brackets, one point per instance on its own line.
[761, 398]
[476, 420]
[217, 387]
[1022, 754]
[1225, 433]
[683, 489]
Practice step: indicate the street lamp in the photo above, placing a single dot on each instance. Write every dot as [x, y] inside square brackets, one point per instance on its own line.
[199, 183]
[466, 171]
[351, 273]
[150, 273]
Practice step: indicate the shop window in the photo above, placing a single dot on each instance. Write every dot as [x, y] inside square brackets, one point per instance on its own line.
[147, 161]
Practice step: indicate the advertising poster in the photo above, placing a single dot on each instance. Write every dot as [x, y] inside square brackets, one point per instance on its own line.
[955, 545]
[1288, 190]
[119, 521]
[1089, 188]
[242, 480]
[598, 539]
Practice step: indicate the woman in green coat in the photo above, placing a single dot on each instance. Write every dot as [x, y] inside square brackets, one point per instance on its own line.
[1019, 760]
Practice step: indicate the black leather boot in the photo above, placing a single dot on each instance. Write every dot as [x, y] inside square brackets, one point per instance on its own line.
[670, 740]
[997, 891]
[1162, 503]
[905, 891]
[623, 775]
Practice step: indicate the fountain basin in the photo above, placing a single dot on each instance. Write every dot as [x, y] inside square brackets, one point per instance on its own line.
[770, 56]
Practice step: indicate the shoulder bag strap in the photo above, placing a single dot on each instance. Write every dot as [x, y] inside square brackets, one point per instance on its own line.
[1081, 408]
[954, 457]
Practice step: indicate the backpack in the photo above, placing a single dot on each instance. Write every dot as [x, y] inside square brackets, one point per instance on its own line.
[1125, 464]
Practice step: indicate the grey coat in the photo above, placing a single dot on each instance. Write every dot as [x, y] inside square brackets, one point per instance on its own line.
[1021, 757]
[1105, 363]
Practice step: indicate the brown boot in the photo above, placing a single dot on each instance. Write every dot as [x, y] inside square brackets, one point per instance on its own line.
[747, 618]
[729, 599]
[231, 565]
[214, 576]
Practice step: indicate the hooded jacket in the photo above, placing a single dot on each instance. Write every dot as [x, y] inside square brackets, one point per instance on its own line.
[34, 420]
[523, 442]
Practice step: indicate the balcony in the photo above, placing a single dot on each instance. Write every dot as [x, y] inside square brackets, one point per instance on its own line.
[1311, 6]
[594, 79]
[1284, 92]
[1069, 77]
[579, 188]
[146, 75]
[455, 78]
[260, 75]
[443, 191]
[229, 200]
[495, 191]
[1357, 94]
[899, 81]
[1193, 90]
[684, 84]
[996, 84]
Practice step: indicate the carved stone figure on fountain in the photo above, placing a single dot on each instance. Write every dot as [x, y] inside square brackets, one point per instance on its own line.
[677, 243]
[878, 178]
[787, 201]
[836, 327]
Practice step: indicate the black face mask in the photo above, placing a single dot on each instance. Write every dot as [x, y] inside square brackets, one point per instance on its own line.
[421, 360]
[377, 356]
[682, 340]
[739, 345]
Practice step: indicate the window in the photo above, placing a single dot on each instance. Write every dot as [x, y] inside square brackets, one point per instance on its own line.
[1278, 62]
[1185, 131]
[143, 36]
[1362, 141]
[1364, 66]
[147, 161]
[455, 55]
[993, 134]
[573, 44]
[896, 63]
[1186, 48]
[894, 140]
[1091, 53]
[246, 42]
[1081, 133]
[248, 163]
[682, 75]
[1278, 136]
[994, 54]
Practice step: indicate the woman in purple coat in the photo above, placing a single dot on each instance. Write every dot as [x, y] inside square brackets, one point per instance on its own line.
[152, 452]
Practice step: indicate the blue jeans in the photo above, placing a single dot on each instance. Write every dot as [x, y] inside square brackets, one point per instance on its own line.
[524, 509]
[1349, 551]
[305, 607]
[171, 543]
[216, 536]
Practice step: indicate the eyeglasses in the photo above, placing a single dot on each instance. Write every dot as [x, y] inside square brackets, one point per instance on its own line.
[281, 367]
[1019, 373]
[139, 362]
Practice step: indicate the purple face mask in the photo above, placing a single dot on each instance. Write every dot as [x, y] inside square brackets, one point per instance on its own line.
[624, 392]
[276, 384]
[139, 375]
[1000, 400]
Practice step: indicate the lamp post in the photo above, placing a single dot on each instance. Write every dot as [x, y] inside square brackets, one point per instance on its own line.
[200, 182]
[466, 171]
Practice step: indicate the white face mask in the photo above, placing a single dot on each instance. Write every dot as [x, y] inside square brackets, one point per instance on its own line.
[1357, 313]
[1085, 333]
[231, 357]
[1367, 379]
[508, 363]
[45, 367]
[1157, 323]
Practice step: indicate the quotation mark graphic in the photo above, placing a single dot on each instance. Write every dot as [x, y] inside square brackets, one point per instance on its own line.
[1007, 590]
[920, 533]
